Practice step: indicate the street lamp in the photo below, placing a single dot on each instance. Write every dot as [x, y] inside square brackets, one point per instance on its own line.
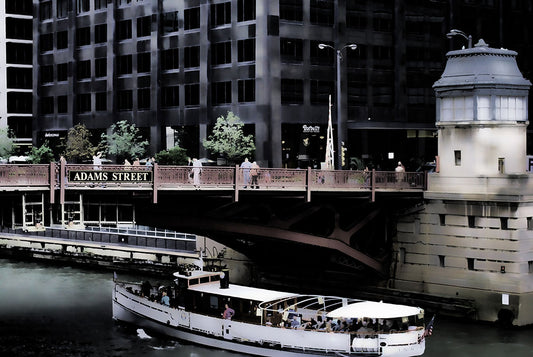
[455, 32]
[340, 124]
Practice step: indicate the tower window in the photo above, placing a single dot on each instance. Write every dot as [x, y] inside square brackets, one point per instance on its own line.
[501, 165]
[457, 155]
[191, 18]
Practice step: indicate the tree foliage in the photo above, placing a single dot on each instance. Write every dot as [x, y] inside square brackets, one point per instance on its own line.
[79, 146]
[173, 156]
[125, 141]
[228, 139]
[41, 155]
[6, 143]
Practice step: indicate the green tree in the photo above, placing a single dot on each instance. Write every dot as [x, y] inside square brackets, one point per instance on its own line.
[6, 143]
[173, 156]
[125, 141]
[79, 146]
[228, 139]
[41, 155]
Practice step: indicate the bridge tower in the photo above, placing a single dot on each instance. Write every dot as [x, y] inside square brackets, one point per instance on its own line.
[474, 237]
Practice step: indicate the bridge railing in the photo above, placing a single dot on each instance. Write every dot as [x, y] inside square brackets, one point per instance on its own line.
[161, 177]
[24, 175]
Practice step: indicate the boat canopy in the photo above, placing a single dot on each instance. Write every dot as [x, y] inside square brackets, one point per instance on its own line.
[372, 309]
[241, 292]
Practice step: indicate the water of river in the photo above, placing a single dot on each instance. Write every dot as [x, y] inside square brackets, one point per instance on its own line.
[64, 311]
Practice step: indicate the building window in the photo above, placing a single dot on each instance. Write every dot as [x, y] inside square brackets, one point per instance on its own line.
[457, 155]
[100, 4]
[45, 10]
[292, 91]
[245, 10]
[124, 30]
[220, 14]
[83, 36]
[222, 53]
[100, 33]
[170, 22]
[291, 50]
[62, 104]
[19, 53]
[246, 50]
[510, 108]
[442, 262]
[355, 17]
[62, 72]
[221, 93]
[144, 26]
[62, 8]
[192, 56]
[530, 223]
[143, 98]
[82, 6]
[19, 78]
[125, 100]
[191, 18]
[100, 67]
[291, 10]
[124, 2]
[457, 109]
[47, 105]
[83, 103]
[320, 91]
[530, 266]
[170, 59]
[47, 74]
[192, 94]
[47, 42]
[19, 28]
[124, 64]
[143, 62]
[246, 90]
[322, 12]
[19, 7]
[170, 96]
[19, 102]
[470, 263]
[62, 40]
[504, 223]
[501, 165]
[472, 221]
[84, 69]
[100, 99]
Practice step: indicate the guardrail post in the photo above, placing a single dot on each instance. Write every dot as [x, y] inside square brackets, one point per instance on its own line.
[308, 185]
[155, 182]
[52, 182]
[373, 185]
[236, 183]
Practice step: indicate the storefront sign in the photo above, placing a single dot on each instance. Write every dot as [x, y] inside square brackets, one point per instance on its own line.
[109, 176]
[311, 129]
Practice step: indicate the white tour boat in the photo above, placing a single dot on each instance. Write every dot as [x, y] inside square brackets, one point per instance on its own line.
[269, 323]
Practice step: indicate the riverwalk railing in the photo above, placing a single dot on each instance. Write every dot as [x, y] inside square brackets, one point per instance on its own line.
[161, 177]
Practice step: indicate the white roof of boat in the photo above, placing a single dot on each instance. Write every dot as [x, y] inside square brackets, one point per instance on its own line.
[372, 309]
[242, 292]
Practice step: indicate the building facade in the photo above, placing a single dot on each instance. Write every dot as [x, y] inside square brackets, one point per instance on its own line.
[172, 67]
[16, 70]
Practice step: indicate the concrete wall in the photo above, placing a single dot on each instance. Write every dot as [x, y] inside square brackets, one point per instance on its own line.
[477, 250]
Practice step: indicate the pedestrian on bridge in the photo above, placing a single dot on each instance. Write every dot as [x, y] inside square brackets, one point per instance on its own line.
[246, 166]
[196, 171]
[254, 171]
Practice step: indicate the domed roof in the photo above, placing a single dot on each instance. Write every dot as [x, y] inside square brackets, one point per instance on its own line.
[481, 66]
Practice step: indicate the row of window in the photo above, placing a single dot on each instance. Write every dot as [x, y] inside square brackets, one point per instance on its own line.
[220, 13]
[221, 94]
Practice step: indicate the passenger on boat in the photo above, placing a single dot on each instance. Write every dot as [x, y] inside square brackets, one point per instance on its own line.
[295, 323]
[165, 300]
[146, 287]
[228, 313]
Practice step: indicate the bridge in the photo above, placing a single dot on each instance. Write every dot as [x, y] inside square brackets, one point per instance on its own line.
[344, 219]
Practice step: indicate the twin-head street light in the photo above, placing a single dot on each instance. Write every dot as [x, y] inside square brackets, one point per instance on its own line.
[340, 123]
[455, 32]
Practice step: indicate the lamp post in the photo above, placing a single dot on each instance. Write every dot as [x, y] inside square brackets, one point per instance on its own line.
[455, 32]
[340, 124]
